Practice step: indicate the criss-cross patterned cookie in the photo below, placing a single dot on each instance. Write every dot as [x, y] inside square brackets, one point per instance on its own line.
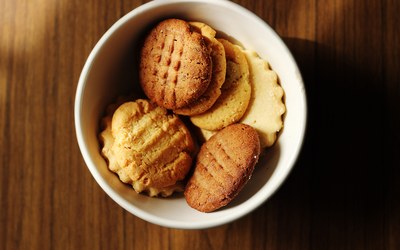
[175, 64]
[223, 166]
[147, 147]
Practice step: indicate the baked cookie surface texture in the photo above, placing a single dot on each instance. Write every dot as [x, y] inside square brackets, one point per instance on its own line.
[235, 92]
[223, 166]
[205, 101]
[175, 64]
[147, 147]
[266, 104]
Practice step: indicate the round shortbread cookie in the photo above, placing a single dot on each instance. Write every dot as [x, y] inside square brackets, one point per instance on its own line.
[223, 166]
[235, 92]
[218, 72]
[147, 148]
[266, 107]
[175, 64]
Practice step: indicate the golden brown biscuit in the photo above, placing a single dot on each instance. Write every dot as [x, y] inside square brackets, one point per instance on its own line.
[147, 148]
[175, 64]
[218, 72]
[235, 92]
[223, 166]
[266, 105]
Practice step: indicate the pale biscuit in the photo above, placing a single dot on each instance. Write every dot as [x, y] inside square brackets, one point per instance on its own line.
[266, 107]
[235, 92]
[175, 64]
[218, 72]
[223, 166]
[147, 147]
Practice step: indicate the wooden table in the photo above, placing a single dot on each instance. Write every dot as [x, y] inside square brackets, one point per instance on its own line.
[344, 192]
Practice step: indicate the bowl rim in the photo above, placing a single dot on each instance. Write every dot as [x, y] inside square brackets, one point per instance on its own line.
[253, 203]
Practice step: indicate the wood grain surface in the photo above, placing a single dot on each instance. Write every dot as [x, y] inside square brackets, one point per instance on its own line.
[344, 192]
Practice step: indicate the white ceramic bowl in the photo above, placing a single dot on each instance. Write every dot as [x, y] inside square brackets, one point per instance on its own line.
[110, 71]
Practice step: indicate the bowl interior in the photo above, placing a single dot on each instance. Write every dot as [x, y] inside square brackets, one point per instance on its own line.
[111, 70]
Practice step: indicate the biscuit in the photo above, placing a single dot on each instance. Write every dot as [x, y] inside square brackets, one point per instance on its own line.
[218, 72]
[223, 166]
[147, 147]
[235, 92]
[266, 105]
[175, 64]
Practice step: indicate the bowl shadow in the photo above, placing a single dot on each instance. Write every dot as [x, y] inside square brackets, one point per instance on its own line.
[347, 174]
[263, 171]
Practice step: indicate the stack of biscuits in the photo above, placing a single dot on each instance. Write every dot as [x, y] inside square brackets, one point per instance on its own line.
[187, 70]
